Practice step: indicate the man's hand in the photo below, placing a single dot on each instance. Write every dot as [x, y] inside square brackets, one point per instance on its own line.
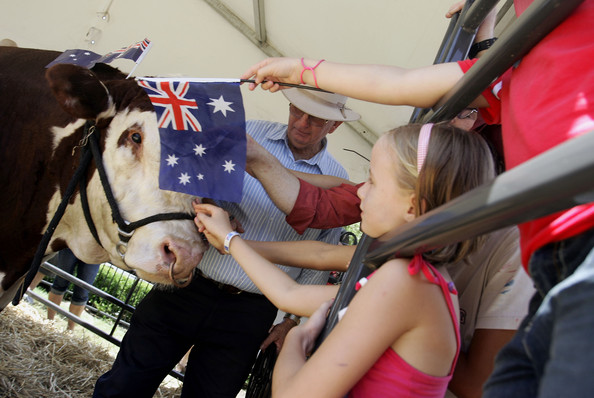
[256, 156]
[278, 333]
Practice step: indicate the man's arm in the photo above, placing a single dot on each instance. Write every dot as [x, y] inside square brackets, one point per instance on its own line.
[503, 301]
[310, 200]
[474, 367]
[282, 184]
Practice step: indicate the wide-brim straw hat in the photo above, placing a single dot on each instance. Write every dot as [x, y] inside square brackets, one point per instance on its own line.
[8, 43]
[325, 105]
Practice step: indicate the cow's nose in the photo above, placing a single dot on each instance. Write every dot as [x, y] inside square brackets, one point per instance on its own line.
[168, 253]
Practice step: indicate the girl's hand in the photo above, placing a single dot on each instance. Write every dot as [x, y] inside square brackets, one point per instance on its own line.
[310, 330]
[273, 70]
[213, 222]
[454, 8]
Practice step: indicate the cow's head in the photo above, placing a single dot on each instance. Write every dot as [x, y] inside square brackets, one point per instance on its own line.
[129, 138]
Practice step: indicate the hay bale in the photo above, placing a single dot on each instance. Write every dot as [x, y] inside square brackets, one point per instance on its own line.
[38, 360]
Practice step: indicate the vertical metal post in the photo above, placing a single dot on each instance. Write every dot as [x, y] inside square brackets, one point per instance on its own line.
[259, 21]
[356, 271]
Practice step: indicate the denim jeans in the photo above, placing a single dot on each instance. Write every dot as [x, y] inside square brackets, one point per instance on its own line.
[67, 261]
[552, 354]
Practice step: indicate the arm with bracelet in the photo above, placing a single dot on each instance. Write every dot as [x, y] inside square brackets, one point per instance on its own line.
[285, 293]
[485, 35]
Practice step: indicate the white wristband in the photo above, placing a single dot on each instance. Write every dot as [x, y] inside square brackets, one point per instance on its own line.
[228, 238]
[293, 317]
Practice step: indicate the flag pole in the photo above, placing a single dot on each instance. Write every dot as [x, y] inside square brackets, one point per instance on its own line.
[302, 86]
[140, 59]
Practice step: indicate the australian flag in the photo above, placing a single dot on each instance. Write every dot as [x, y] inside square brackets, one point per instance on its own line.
[202, 129]
[87, 59]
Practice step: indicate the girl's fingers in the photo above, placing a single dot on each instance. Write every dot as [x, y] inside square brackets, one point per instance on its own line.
[455, 8]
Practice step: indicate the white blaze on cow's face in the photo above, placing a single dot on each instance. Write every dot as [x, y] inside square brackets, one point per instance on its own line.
[131, 158]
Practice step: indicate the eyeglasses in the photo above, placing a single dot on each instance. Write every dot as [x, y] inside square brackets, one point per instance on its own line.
[313, 121]
[466, 113]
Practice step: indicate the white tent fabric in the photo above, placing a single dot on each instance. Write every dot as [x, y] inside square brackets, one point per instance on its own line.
[191, 38]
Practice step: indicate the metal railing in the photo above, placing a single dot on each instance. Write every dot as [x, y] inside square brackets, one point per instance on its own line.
[124, 304]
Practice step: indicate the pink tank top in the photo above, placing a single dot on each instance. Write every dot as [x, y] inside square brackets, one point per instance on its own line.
[391, 376]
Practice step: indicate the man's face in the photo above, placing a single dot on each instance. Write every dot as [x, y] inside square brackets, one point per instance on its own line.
[305, 132]
[465, 119]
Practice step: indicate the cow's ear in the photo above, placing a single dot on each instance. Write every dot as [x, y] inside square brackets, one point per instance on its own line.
[78, 90]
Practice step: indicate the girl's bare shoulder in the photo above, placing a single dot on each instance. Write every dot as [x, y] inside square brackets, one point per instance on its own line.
[395, 268]
[395, 274]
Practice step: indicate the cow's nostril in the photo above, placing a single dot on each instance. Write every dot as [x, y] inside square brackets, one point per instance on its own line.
[168, 253]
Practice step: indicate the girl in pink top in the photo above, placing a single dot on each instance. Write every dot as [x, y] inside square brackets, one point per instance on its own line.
[400, 333]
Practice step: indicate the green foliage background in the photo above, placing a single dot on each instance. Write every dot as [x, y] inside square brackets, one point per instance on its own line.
[119, 284]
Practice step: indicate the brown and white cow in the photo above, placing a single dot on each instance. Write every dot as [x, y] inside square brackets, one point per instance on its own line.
[42, 113]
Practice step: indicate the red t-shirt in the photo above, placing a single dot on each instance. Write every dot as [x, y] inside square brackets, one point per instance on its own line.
[547, 99]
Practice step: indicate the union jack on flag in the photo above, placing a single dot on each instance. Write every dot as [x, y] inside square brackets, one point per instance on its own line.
[134, 52]
[177, 108]
[202, 130]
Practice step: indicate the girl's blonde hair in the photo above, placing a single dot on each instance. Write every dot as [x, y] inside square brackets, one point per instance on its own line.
[456, 162]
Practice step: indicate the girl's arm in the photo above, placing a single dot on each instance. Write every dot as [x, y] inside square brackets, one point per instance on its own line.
[305, 254]
[281, 290]
[391, 85]
[376, 318]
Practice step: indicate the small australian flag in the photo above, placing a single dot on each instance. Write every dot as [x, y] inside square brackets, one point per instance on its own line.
[88, 59]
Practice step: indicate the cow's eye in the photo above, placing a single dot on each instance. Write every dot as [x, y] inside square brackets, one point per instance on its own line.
[137, 138]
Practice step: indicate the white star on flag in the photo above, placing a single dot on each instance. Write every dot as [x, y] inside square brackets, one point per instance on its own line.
[172, 160]
[200, 177]
[229, 166]
[220, 105]
[199, 150]
[184, 178]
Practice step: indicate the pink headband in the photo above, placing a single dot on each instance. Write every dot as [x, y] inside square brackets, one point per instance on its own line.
[423, 144]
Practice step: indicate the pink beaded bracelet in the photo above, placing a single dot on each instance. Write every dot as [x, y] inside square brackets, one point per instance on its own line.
[313, 71]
